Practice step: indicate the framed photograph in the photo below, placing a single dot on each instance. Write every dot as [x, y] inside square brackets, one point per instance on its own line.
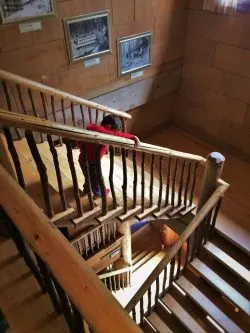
[23, 10]
[134, 53]
[87, 36]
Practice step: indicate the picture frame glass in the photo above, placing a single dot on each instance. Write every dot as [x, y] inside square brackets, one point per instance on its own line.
[22, 10]
[134, 53]
[88, 36]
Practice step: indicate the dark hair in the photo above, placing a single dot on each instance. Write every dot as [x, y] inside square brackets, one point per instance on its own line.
[113, 121]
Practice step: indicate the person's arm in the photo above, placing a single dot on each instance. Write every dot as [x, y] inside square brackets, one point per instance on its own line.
[102, 129]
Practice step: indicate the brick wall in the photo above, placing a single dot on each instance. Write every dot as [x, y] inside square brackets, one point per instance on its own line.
[214, 99]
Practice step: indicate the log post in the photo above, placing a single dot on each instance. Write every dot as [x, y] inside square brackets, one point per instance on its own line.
[213, 170]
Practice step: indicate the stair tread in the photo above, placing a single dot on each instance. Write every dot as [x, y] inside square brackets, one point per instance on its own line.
[221, 285]
[228, 261]
[182, 315]
[158, 323]
[139, 255]
[209, 307]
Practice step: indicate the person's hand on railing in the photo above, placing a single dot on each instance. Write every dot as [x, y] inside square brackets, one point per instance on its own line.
[137, 141]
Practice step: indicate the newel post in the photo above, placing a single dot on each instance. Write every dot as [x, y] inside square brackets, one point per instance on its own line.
[213, 169]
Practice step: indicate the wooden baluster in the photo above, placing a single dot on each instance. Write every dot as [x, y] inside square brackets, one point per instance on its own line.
[134, 314]
[168, 182]
[22, 247]
[119, 281]
[114, 284]
[149, 301]
[42, 172]
[141, 311]
[164, 288]
[52, 102]
[96, 116]
[63, 111]
[91, 243]
[160, 183]
[73, 113]
[181, 183]
[212, 226]
[115, 230]
[172, 266]
[21, 99]
[122, 278]
[58, 172]
[179, 264]
[125, 181]
[44, 105]
[8, 101]
[85, 241]
[69, 311]
[187, 183]
[187, 253]
[213, 170]
[143, 182]
[83, 119]
[101, 181]
[191, 196]
[74, 178]
[173, 184]
[103, 235]
[111, 175]
[52, 291]
[109, 232]
[157, 289]
[14, 155]
[34, 108]
[135, 180]
[85, 170]
[151, 180]
[78, 321]
[90, 115]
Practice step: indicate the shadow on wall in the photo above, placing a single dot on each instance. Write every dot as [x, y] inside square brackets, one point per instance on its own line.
[168, 52]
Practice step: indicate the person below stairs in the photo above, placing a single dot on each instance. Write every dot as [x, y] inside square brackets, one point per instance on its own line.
[109, 125]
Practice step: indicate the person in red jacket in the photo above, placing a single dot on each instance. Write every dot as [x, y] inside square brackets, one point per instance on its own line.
[109, 125]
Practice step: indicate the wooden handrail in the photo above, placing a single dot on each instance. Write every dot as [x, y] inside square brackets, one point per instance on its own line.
[113, 273]
[41, 88]
[44, 126]
[95, 303]
[218, 193]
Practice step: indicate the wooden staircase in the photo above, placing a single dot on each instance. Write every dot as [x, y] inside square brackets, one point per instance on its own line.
[192, 285]
[211, 295]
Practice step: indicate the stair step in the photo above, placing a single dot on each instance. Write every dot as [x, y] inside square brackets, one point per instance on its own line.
[158, 323]
[206, 305]
[228, 261]
[181, 314]
[147, 327]
[221, 285]
[135, 254]
[143, 260]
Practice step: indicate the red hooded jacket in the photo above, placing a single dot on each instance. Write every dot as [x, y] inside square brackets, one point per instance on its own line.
[90, 147]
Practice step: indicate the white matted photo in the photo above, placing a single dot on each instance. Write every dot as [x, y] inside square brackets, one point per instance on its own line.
[87, 36]
[134, 53]
[22, 10]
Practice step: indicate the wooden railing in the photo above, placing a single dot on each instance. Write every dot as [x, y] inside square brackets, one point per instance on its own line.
[18, 94]
[74, 288]
[187, 246]
[163, 180]
[117, 279]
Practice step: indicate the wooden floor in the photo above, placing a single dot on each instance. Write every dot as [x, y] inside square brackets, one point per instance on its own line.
[234, 217]
[25, 307]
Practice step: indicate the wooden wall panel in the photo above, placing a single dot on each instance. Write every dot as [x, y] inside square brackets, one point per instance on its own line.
[214, 98]
[42, 55]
